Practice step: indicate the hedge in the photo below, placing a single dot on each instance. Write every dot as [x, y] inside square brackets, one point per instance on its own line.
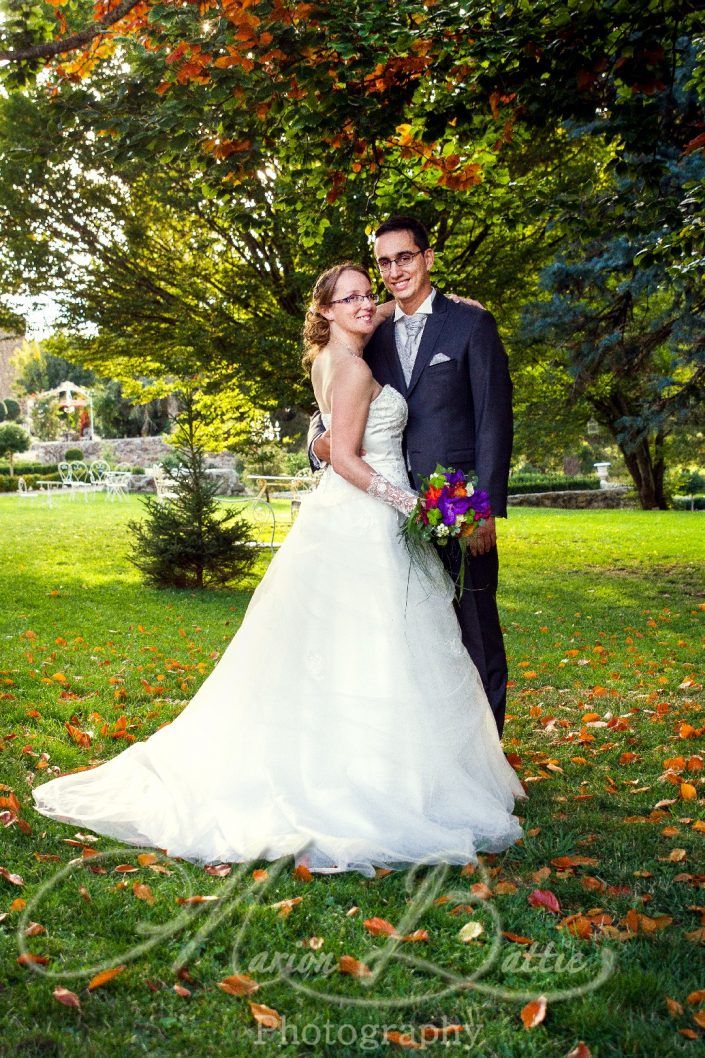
[30, 468]
[8, 484]
[522, 483]
[685, 503]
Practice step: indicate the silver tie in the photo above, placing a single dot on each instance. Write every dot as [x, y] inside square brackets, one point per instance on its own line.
[413, 325]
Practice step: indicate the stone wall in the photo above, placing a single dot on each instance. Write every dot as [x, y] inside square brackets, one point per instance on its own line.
[8, 344]
[621, 496]
[137, 451]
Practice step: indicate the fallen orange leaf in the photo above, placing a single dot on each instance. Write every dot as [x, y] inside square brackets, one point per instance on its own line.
[534, 1012]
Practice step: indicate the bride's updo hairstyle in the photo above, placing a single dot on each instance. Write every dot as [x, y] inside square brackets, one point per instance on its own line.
[316, 326]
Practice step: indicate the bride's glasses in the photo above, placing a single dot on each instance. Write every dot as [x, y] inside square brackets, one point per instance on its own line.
[356, 299]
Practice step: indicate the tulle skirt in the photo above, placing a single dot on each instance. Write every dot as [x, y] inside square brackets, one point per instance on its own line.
[344, 725]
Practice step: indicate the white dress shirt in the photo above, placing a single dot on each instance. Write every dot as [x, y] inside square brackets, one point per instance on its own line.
[400, 335]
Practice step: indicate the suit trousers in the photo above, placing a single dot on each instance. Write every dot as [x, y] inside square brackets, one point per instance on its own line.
[479, 622]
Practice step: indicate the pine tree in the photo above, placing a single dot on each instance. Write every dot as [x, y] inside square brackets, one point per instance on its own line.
[187, 542]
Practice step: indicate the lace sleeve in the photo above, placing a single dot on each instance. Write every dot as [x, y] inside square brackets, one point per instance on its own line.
[403, 500]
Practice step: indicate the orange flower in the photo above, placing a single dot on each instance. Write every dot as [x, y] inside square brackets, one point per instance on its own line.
[459, 490]
[432, 495]
[468, 529]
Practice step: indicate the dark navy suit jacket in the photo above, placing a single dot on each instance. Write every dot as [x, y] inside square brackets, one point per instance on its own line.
[460, 409]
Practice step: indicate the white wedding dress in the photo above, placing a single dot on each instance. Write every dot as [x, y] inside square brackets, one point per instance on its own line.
[344, 724]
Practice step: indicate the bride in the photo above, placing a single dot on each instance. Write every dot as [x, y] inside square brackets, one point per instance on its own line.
[345, 724]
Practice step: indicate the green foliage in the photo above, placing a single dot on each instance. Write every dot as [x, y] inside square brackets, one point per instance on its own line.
[43, 367]
[234, 156]
[689, 503]
[73, 453]
[3, 411]
[12, 409]
[116, 416]
[689, 481]
[13, 440]
[45, 418]
[23, 467]
[189, 541]
[9, 484]
[523, 483]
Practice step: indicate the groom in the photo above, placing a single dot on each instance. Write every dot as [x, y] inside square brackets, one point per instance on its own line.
[447, 360]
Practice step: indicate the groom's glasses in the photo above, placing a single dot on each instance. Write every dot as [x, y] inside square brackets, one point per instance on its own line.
[401, 259]
[356, 299]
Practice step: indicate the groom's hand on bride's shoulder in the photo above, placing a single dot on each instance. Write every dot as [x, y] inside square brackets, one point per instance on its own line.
[484, 538]
[466, 301]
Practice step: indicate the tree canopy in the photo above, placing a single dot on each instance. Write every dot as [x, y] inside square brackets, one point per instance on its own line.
[177, 174]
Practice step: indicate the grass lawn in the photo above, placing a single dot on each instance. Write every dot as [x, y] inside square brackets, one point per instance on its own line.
[603, 613]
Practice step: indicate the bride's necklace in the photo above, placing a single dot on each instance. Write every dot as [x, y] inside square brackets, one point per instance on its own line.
[347, 349]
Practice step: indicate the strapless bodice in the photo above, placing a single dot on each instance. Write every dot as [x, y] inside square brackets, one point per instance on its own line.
[386, 420]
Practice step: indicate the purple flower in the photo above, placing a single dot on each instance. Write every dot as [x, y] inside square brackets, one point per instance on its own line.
[453, 508]
[481, 502]
[456, 478]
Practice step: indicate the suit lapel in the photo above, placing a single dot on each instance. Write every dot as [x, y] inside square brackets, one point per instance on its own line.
[389, 353]
[431, 333]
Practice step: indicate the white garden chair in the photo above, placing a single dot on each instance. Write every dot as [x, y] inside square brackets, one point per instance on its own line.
[81, 480]
[98, 470]
[117, 483]
[64, 470]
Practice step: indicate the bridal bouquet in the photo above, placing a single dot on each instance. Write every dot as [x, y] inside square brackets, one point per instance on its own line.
[448, 508]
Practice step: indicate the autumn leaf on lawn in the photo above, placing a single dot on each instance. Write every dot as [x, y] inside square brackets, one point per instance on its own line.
[143, 892]
[34, 929]
[534, 1012]
[81, 738]
[348, 965]
[439, 1032]
[285, 906]
[516, 938]
[69, 999]
[14, 879]
[302, 873]
[238, 985]
[265, 1016]
[379, 927]
[417, 935]
[581, 1050]
[104, 976]
[545, 898]
[470, 931]
[566, 862]
[636, 922]
[402, 1039]
[28, 957]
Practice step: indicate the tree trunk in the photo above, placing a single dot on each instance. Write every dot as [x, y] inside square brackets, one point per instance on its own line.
[648, 474]
[11, 457]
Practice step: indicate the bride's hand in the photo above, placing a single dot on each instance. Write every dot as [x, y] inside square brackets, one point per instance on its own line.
[466, 301]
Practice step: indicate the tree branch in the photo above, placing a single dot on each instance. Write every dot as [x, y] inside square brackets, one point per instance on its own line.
[76, 40]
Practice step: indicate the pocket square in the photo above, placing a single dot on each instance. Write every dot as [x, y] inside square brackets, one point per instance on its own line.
[439, 358]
